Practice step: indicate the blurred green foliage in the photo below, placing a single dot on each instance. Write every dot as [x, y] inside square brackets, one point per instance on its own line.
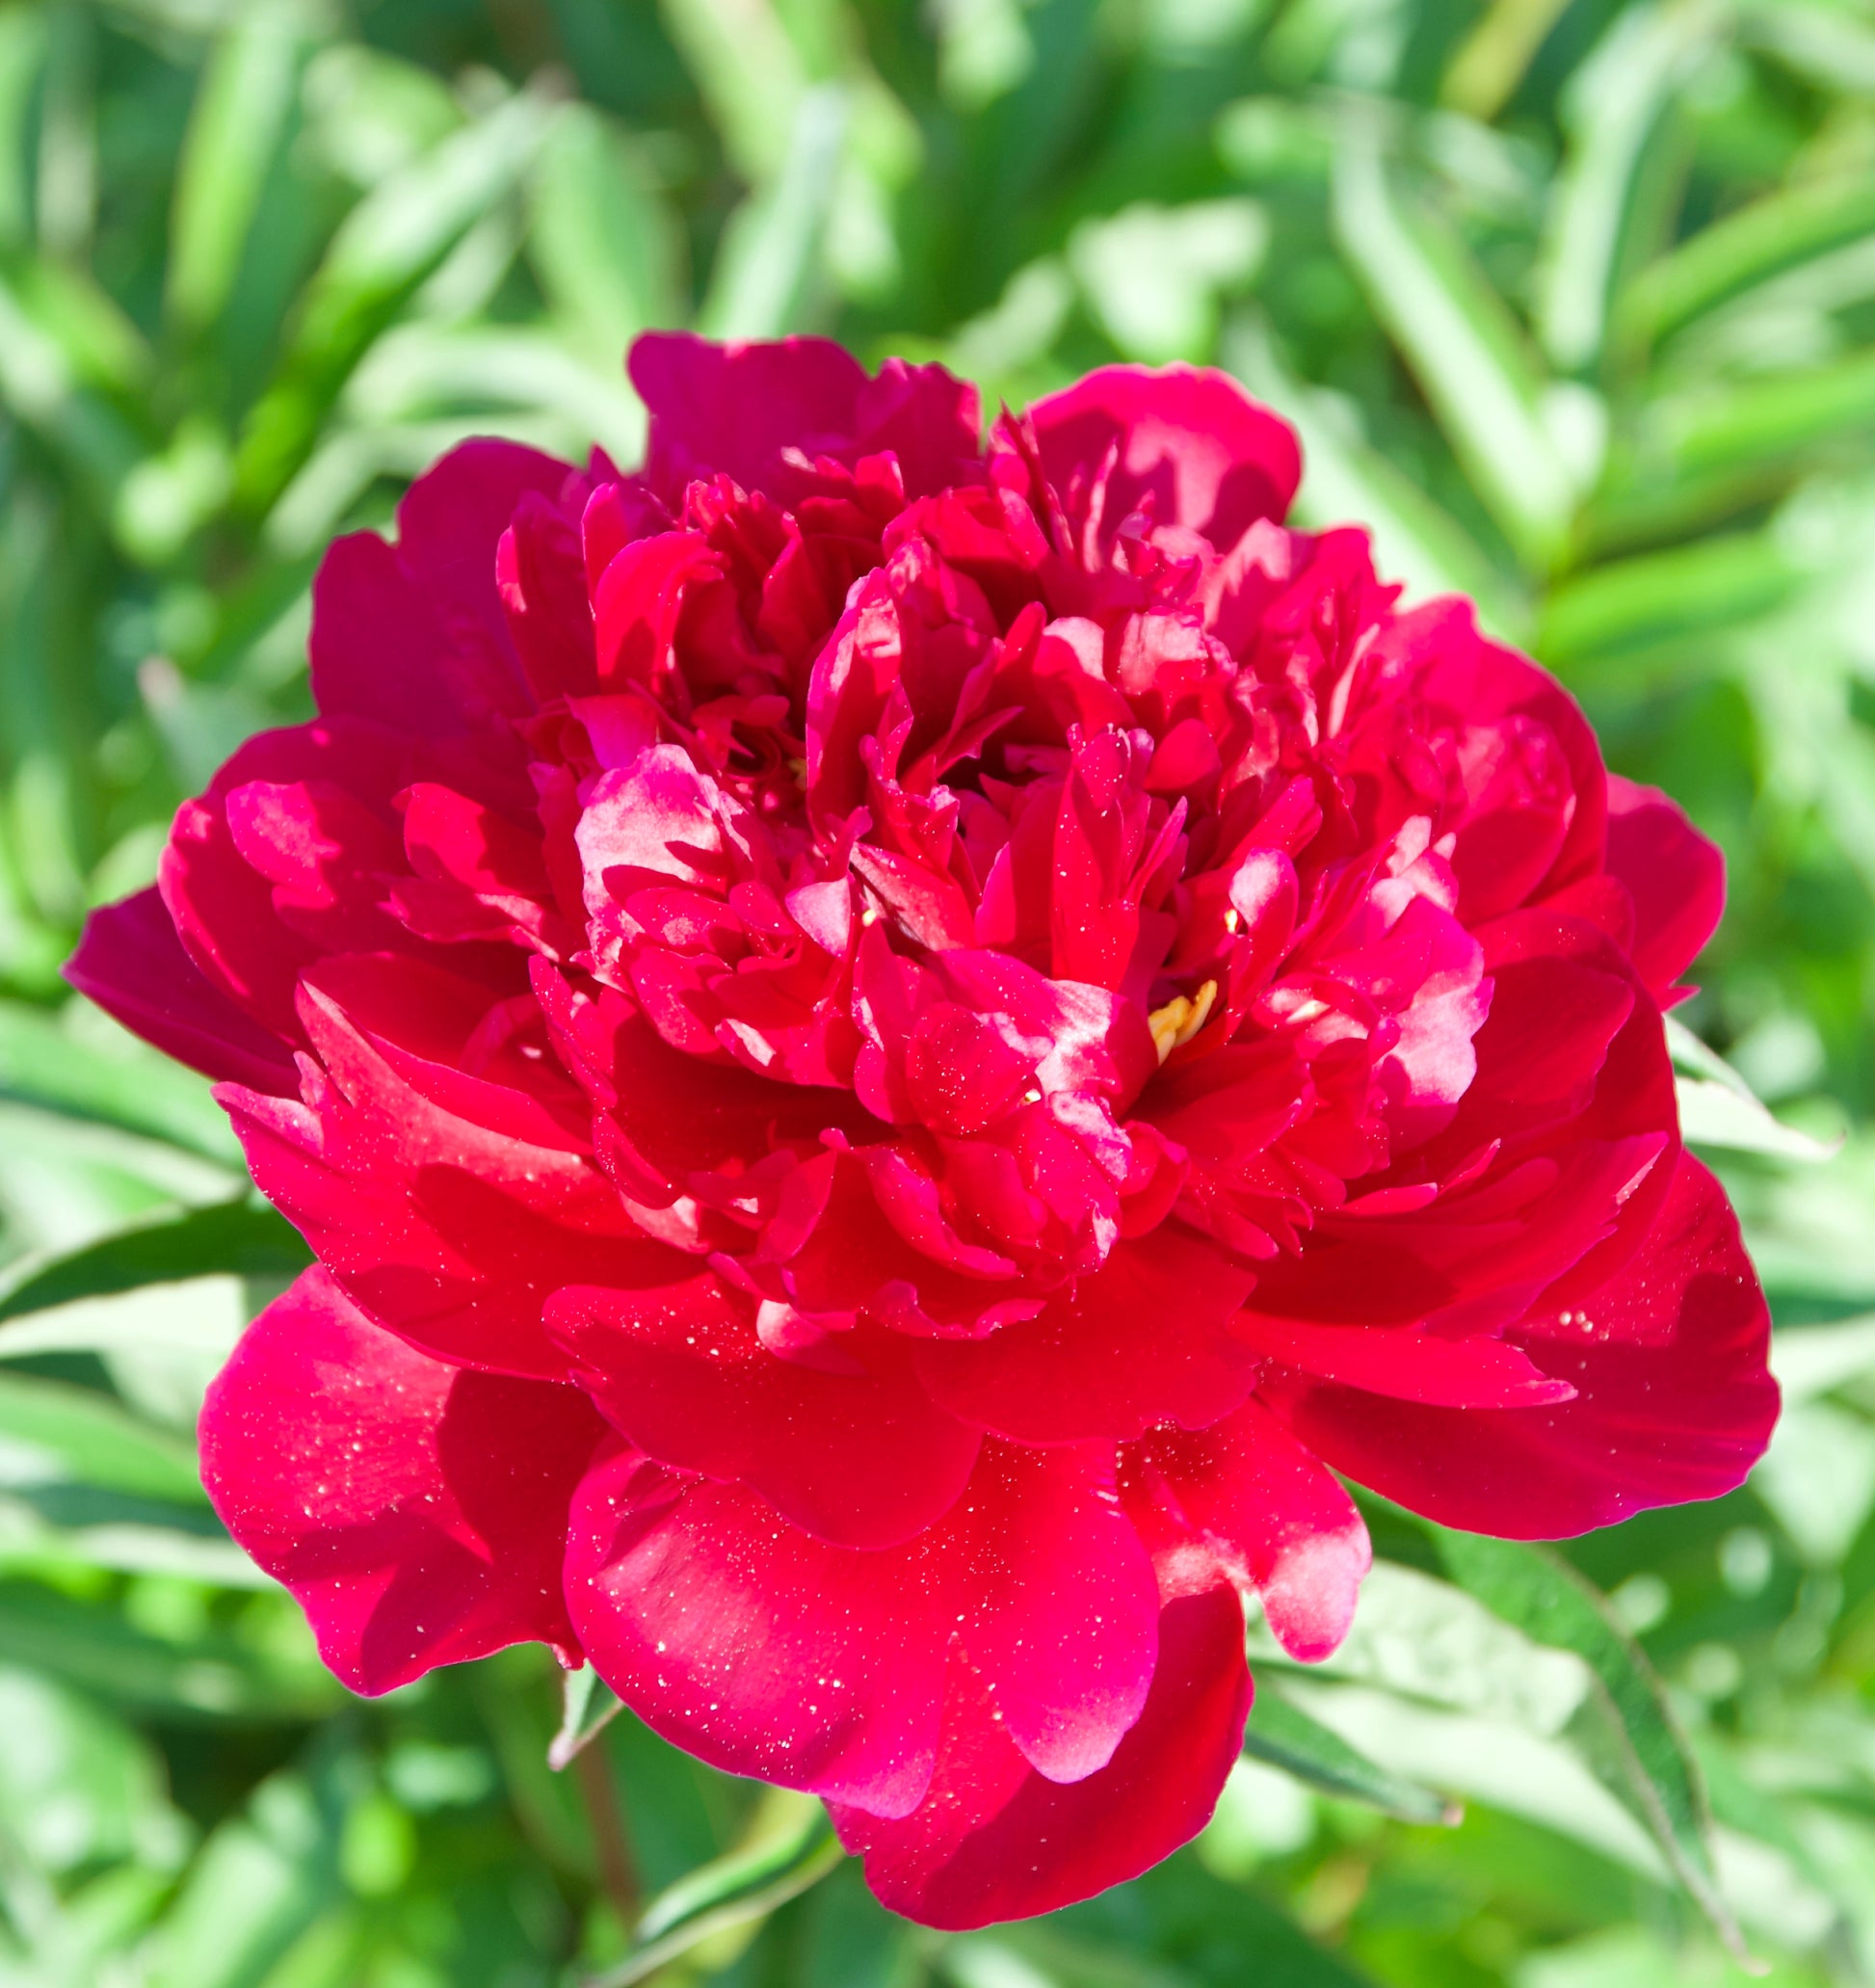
[1572, 301]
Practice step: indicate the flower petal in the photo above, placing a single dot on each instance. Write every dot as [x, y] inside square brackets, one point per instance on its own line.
[994, 1840]
[1245, 1499]
[452, 1230]
[1675, 877]
[1140, 1341]
[755, 1646]
[417, 1512]
[131, 962]
[1190, 437]
[413, 634]
[1407, 1364]
[1062, 1612]
[1673, 1397]
[857, 1457]
[743, 410]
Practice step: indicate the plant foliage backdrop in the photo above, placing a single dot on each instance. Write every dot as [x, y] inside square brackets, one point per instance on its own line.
[1574, 301]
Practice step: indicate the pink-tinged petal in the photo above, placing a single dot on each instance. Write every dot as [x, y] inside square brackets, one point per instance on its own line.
[414, 635]
[1187, 438]
[763, 413]
[224, 915]
[1673, 1397]
[450, 1230]
[252, 909]
[994, 1840]
[1061, 1615]
[1476, 683]
[1138, 1342]
[417, 1512]
[755, 1646]
[1407, 1364]
[541, 576]
[855, 1454]
[1675, 877]
[1246, 1500]
[131, 962]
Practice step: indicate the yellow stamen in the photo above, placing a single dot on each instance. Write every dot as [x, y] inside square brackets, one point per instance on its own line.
[1175, 1024]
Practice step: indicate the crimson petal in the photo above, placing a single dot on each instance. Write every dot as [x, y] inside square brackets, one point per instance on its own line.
[857, 1457]
[416, 1511]
[1673, 1401]
[994, 1840]
[1138, 1342]
[131, 962]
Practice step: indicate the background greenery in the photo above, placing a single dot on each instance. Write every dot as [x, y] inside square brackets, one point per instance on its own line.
[1574, 303]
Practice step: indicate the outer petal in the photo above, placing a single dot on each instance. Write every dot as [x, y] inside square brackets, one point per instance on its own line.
[451, 1229]
[1060, 1616]
[1210, 458]
[1673, 1399]
[994, 1840]
[857, 1456]
[417, 1512]
[413, 634]
[132, 964]
[1247, 1500]
[1675, 877]
[1410, 1364]
[1140, 1342]
[756, 1647]
[732, 410]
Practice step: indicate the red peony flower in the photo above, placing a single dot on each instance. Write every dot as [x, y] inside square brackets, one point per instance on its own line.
[893, 1052]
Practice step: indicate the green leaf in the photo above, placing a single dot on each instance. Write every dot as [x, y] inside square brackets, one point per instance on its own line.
[1712, 585]
[1539, 1593]
[1812, 1360]
[389, 242]
[791, 1847]
[1713, 1114]
[242, 1238]
[769, 255]
[78, 1787]
[603, 243]
[1717, 1106]
[749, 75]
[1832, 47]
[238, 123]
[1764, 422]
[1153, 275]
[1282, 1735]
[86, 1065]
[1818, 1478]
[1613, 107]
[53, 1432]
[260, 1881]
[1492, 61]
[1743, 249]
[22, 55]
[212, 1675]
[1464, 347]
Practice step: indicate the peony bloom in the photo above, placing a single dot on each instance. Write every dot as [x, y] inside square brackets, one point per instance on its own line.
[893, 1052]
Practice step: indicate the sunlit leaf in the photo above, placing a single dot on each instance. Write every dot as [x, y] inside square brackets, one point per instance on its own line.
[1461, 343]
[1538, 1592]
[238, 121]
[1282, 1735]
[766, 264]
[245, 1238]
[1744, 248]
[791, 1847]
